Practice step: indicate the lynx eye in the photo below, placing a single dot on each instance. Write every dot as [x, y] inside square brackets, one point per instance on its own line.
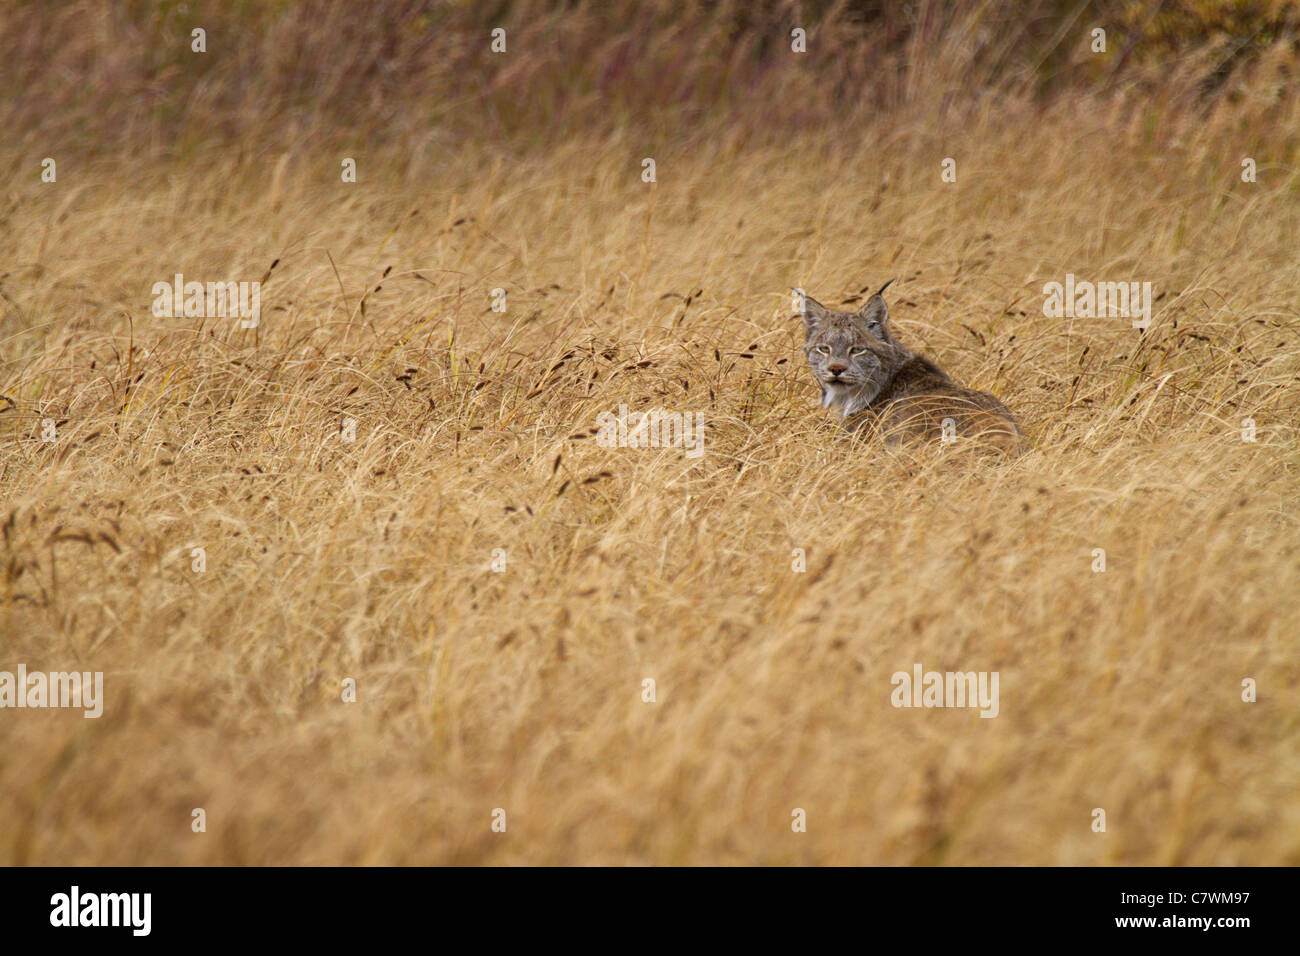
[823, 350]
[857, 351]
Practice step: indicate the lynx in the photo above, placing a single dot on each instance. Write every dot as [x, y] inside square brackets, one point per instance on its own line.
[875, 382]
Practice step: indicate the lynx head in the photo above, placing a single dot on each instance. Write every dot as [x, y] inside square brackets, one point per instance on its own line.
[852, 354]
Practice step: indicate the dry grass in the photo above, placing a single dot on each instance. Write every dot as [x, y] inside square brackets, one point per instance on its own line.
[522, 690]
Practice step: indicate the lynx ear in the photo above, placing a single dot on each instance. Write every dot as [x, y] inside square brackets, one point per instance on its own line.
[875, 315]
[813, 312]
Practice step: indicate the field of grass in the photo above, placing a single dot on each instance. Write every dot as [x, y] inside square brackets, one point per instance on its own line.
[499, 586]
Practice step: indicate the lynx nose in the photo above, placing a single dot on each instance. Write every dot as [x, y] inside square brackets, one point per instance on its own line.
[837, 368]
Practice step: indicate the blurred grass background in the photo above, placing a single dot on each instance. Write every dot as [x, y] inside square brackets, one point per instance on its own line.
[104, 77]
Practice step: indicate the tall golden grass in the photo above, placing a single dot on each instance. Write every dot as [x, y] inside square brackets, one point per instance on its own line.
[523, 689]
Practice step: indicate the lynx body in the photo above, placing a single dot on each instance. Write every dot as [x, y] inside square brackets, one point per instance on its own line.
[875, 382]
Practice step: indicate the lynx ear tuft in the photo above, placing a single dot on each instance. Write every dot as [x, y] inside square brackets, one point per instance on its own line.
[875, 315]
